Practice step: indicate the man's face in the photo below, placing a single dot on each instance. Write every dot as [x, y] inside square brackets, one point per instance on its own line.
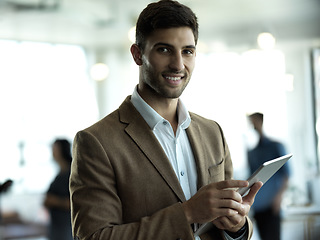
[167, 62]
[256, 123]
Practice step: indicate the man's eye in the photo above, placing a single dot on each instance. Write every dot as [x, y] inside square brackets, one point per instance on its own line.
[163, 50]
[188, 51]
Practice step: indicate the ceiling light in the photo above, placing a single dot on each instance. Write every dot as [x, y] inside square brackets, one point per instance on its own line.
[266, 41]
[99, 71]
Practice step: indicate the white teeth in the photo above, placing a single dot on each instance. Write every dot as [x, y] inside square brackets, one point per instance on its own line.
[174, 78]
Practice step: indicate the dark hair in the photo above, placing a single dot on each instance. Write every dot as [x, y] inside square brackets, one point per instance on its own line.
[164, 14]
[65, 148]
[257, 115]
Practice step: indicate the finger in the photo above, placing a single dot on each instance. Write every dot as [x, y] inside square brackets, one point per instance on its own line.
[231, 204]
[228, 212]
[230, 194]
[227, 184]
[244, 209]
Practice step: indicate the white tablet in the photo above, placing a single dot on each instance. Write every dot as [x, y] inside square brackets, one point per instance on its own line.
[262, 174]
[265, 171]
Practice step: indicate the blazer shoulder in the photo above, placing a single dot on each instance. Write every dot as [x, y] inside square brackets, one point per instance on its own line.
[113, 119]
[205, 122]
[209, 129]
[104, 123]
[118, 120]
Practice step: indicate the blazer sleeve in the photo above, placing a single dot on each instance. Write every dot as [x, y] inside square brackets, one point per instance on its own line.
[96, 208]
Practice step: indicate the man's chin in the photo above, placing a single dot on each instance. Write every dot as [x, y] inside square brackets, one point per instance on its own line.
[173, 95]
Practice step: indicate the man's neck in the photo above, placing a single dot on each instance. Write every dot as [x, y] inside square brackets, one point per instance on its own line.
[165, 107]
[170, 113]
[168, 110]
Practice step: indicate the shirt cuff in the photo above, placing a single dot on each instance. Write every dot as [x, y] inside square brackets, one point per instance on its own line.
[241, 234]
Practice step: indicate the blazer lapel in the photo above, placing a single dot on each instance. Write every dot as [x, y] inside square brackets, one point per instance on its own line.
[193, 132]
[143, 136]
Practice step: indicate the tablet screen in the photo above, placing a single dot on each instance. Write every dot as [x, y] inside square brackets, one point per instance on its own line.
[265, 171]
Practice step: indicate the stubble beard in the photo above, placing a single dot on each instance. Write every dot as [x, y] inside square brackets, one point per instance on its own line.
[153, 82]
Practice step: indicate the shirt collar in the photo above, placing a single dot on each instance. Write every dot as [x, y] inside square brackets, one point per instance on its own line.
[152, 117]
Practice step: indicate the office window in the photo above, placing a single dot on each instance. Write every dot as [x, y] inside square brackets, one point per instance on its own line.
[45, 93]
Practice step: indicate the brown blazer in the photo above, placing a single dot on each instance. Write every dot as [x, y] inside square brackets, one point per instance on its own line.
[124, 187]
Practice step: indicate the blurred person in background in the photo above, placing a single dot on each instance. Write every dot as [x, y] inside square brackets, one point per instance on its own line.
[57, 199]
[267, 205]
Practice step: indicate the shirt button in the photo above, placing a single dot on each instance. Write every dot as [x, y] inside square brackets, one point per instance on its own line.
[182, 173]
[165, 123]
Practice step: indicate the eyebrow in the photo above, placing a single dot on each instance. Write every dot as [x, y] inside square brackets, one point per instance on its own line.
[169, 45]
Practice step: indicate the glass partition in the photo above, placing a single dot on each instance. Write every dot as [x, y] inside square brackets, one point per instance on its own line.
[316, 91]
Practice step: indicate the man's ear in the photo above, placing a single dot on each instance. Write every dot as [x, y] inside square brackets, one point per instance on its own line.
[136, 54]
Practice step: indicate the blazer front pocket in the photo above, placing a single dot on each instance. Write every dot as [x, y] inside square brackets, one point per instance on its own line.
[216, 172]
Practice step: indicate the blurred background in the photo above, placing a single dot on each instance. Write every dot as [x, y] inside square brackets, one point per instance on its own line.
[65, 64]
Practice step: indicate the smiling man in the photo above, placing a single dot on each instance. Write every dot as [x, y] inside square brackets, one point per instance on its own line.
[151, 169]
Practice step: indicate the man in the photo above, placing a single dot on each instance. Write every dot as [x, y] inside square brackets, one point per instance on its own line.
[267, 205]
[151, 169]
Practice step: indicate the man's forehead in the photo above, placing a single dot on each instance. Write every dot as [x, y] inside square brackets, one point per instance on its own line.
[176, 37]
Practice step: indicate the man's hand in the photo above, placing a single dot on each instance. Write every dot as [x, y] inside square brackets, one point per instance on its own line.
[216, 200]
[235, 223]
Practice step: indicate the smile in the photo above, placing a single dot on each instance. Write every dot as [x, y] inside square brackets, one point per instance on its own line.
[173, 78]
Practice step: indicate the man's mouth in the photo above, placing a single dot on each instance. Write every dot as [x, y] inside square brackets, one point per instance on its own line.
[173, 78]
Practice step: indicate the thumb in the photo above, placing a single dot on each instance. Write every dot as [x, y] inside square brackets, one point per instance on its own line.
[249, 198]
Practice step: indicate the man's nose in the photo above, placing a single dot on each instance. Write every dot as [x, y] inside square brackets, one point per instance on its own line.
[177, 62]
